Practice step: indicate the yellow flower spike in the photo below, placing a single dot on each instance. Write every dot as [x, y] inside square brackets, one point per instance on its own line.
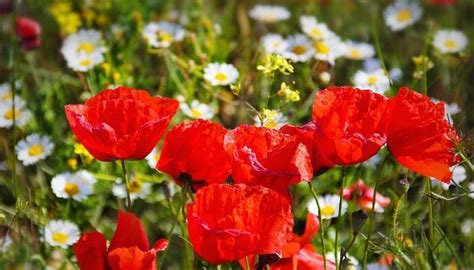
[72, 163]
[289, 94]
[116, 76]
[59, 8]
[106, 68]
[89, 16]
[273, 63]
[102, 20]
[79, 149]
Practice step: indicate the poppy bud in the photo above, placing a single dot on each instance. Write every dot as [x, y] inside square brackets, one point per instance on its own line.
[28, 32]
[358, 220]
[405, 184]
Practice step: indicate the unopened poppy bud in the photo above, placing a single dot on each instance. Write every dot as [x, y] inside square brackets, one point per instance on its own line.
[358, 220]
[405, 184]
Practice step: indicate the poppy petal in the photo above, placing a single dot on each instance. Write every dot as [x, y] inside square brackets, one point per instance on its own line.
[91, 251]
[130, 232]
[132, 258]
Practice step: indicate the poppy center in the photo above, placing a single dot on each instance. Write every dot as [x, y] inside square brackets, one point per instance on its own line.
[220, 76]
[86, 47]
[71, 189]
[328, 210]
[322, 48]
[404, 15]
[10, 114]
[35, 150]
[164, 36]
[60, 237]
[372, 79]
[85, 62]
[299, 49]
[195, 113]
[450, 44]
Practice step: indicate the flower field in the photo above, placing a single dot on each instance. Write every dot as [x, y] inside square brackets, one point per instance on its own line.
[206, 134]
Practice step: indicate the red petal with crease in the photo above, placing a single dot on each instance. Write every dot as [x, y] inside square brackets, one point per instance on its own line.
[132, 258]
[129, 233]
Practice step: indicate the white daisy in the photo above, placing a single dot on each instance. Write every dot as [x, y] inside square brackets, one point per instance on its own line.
[61, 233]
[138, 189]
[270, 119]
[269, 13]
[325, 77]
[5, 92]
[377, 266]
[459, 175]
[220, 74]
[197, 110]
[329, 206]
[450, 41]
[162, 34]
[5, 242]
[153, 157]
[395, 74]
[471, 189]
[274, 43]
[331, 256]
[34, 148]
[299, 48]
[315, 30]
[77, 186]
[329, 49]
[359, 50]
[467, 227]
[402, 14]
[376, 80]
[84, 62]
[83, 42]
[22, 115]
[371, 64]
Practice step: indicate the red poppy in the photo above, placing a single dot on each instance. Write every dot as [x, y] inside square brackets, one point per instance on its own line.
[129, 248]
[419, 136]
[227, 223]
[363, 195]
[267, 157]
[29, 32]
[194, 151]
[299, 253]
[348, 124]
[124, 123]
[306, 136]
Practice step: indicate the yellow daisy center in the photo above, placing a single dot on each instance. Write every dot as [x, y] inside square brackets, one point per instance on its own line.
[35, 150]
[9, 114]
[270, 124]
[268, 17]
[7, 96]
[404, 15]
[85, 62]
[135, 186]
[299, 49]
[195, 113]
[86, 47]
[60, 237]
[71, 189]
[164, 36]
[220, 76]
[328, 210]
[322, 48]
[450, 44]
[372, 80]
[316, 33]
[356, 54]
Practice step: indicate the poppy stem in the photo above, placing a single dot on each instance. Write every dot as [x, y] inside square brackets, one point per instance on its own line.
[321, 224]
[127, 185]
[372, 212]
[430, 211]
[247, 264]
[339, 217]
[13, 44]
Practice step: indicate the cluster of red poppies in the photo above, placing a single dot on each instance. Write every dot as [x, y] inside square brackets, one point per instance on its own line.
[253, 215]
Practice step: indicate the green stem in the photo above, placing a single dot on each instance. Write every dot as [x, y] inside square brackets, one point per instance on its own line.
[321, 224]
[372, 212]
[127, 185]
[430, 211]
[13, 45]
[395, 215]
[336, 242]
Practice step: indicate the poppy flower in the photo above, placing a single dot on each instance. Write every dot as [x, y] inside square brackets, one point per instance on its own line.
[305, 134]
[363, 195]
[124, 123]
[298, 252]
[348, 125]
[194, 151]
[227, 223]
[418, 135]
[29, 32]
[129, 248]
[267, 157]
